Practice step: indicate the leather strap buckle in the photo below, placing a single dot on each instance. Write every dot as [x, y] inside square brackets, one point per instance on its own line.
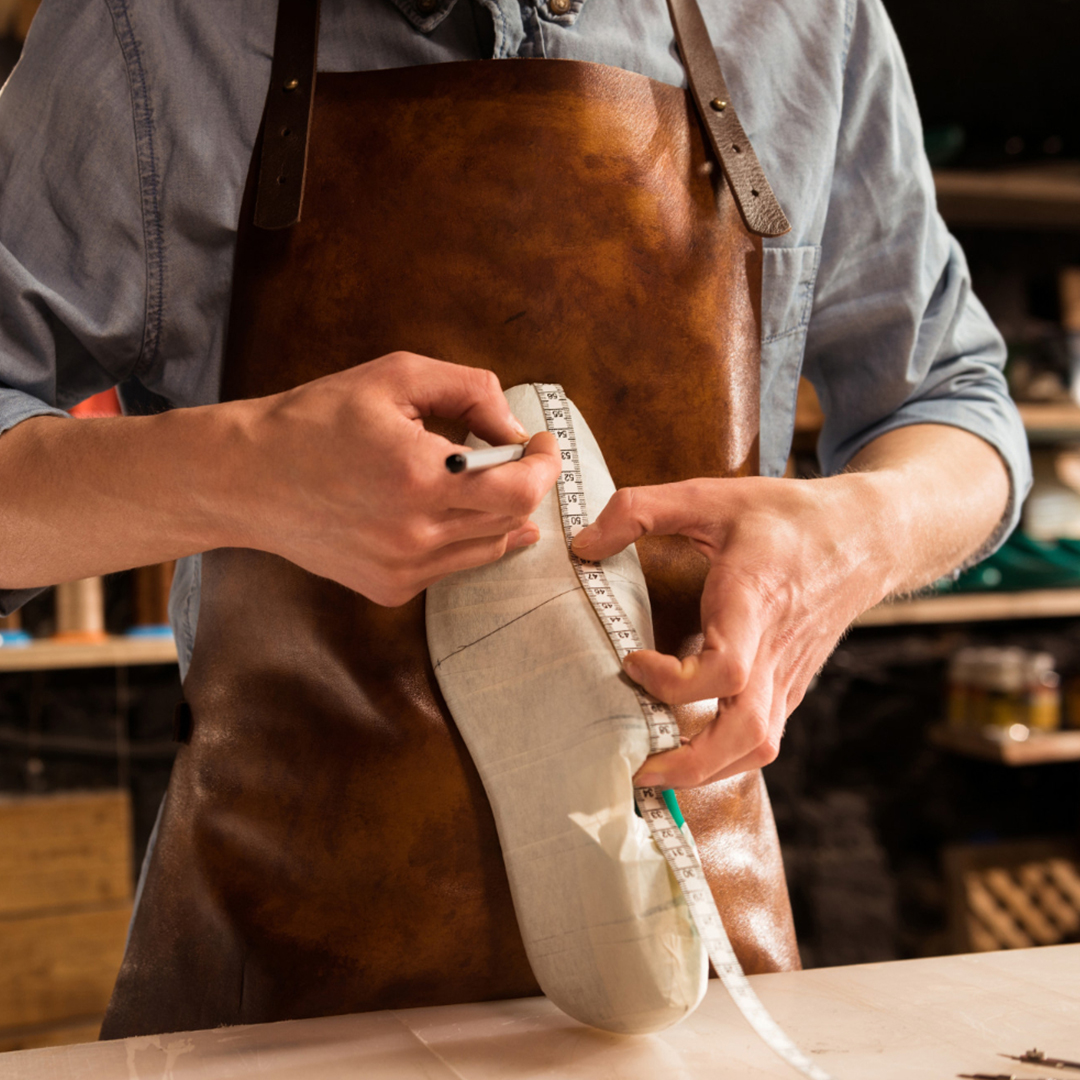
[754, 197]
[287, 117]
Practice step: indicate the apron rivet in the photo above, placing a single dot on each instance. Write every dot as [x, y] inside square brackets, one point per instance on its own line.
[559, 7]
[719, 104]
[291, 84]
[427, 5]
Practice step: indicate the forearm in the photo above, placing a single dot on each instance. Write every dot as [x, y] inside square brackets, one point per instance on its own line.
[338, 475]
[85, 497]
[928, 497]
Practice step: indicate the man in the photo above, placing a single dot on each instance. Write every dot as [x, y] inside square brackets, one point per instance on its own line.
[126, 134]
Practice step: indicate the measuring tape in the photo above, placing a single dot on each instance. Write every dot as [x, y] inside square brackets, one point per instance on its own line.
[681, 856]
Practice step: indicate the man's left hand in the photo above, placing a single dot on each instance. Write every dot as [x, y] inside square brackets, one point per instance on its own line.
[792, 564]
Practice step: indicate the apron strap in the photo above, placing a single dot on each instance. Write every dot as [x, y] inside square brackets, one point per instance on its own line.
[287, 118]
[754, 197]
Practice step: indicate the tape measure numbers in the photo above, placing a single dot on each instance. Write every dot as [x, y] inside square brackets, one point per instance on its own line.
[681, 856]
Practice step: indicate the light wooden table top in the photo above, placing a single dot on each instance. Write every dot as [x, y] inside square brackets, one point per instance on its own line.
[917, 1018]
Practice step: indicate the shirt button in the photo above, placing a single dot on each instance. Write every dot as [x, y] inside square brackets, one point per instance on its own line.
[427, 6]
[559, 7]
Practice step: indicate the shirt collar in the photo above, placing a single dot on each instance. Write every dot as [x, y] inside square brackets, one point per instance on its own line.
[425, 15]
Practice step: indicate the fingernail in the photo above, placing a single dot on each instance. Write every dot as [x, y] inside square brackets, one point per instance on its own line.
[522, 433]
[526, 539]
[589, 535]
[632, 668]
[650, 779]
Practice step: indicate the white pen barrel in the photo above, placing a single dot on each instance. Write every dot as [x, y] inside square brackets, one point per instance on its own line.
[490, 456]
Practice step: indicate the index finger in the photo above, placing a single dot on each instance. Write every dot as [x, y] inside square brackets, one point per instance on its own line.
[515, 489]
[455, 392]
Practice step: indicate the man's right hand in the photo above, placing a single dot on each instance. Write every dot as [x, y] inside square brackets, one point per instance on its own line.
[350, 485]
[338, 475]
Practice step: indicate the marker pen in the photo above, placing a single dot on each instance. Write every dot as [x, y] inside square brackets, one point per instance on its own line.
[474, 460]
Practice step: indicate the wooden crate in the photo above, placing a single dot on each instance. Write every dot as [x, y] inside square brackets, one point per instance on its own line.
[64, 851]
[1013, 896]
[65, 902]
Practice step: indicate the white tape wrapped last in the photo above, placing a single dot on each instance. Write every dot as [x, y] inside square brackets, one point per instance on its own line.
[556, 732]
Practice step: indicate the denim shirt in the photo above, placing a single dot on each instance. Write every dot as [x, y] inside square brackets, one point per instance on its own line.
[127, 128]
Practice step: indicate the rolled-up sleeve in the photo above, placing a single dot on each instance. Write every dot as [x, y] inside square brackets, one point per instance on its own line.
[896, 335]
[73, 273]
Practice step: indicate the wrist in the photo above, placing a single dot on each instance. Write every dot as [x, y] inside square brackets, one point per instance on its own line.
[945, 491]
[870, 514]
[219, 478]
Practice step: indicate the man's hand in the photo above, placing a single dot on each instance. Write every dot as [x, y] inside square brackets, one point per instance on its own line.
[793, 563]
[338, 475]
[357, 490]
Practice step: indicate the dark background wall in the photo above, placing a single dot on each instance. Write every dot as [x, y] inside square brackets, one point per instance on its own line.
[1002, 71]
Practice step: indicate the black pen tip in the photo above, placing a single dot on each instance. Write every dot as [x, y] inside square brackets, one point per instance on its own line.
[456, 463]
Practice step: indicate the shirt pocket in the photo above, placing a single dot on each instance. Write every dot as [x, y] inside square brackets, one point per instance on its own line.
[787, 299]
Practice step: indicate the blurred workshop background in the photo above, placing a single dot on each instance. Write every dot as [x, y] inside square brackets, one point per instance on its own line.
[928, 790]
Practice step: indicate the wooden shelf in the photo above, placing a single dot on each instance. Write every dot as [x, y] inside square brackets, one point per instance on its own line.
[1039, 748]
[1043, 196]
[1049, 423]
[1041, 422]
[116, 652]
[975, 607]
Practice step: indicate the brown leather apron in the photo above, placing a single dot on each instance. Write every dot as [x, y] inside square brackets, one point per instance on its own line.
[326, 845]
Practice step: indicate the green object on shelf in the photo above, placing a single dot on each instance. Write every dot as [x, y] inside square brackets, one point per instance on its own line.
[1022, 563]
[943, 143]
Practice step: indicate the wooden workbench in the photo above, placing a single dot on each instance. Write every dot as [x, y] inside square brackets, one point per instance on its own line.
[917, 1018]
